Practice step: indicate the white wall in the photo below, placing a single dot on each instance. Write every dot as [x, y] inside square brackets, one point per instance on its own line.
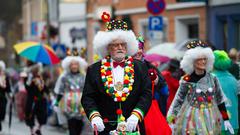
[72, 15]
[53, 10]
[65, 33]
[72, 10]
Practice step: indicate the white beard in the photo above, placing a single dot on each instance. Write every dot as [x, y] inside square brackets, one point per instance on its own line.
[118, 57]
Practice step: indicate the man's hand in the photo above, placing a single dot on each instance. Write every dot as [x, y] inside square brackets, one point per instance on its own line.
[132, 122]
[98, 122]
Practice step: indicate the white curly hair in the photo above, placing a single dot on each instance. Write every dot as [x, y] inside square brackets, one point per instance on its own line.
[2, 65]
[187, 63]
[103, 38]
[67, 61]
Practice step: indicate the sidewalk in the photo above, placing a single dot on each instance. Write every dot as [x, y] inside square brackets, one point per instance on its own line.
[20, 128]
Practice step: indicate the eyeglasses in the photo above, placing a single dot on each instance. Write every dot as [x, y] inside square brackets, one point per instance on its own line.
[123, 44]
[202, 59]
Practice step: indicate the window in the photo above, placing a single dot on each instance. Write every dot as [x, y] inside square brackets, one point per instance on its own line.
[193, 30]
[186, 27]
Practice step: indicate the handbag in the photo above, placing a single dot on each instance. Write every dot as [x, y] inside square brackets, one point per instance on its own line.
[155, 123]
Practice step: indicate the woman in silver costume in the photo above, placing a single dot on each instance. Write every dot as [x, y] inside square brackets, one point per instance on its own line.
[198, 106]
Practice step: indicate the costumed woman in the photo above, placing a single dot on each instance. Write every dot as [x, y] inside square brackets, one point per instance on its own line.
[160, 88]
[117, 91]
[37, 96]
[70, 89]
[4, 91]
[229, 87]
[154, 121]
[21, 96]
[198, 106]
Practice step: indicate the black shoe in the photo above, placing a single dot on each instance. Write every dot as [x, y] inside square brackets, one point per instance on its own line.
[38, 132]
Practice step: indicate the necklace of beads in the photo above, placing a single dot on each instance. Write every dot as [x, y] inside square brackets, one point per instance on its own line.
[107, 78]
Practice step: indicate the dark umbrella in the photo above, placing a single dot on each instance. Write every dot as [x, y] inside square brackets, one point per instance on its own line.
[10, 113]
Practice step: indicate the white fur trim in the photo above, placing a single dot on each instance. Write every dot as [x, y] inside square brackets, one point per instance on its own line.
[66, 62]
[103, 38]
[187, 63]
[2, 65]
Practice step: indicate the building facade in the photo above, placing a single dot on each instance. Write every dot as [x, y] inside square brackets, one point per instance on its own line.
[182, 19]
[34, 14]
[224, 24]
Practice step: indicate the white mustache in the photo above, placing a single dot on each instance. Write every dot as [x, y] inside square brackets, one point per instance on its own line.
[119, 51]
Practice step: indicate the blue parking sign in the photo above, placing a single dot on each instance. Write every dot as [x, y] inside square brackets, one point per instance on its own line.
[155, 23]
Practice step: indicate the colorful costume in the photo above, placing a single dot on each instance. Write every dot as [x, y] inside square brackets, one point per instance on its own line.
[198, 106]
[113, 91]
[21, 97]
[69, 90]
[229, 86]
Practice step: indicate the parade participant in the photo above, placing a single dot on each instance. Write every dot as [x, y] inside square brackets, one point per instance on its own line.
[155, 117]
[117, 88]
[21, 96]
[172, 76]
[198, 106]
[4, 91]
[161, 89]
[37, 95]
[235, 67]
[69, 91]
[229, 86]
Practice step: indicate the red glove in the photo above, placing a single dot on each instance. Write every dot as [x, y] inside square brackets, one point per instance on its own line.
[152, 74]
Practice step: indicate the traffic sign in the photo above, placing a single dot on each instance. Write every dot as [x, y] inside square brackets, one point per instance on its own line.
[156, 7]
[60, 50]
[155, 23]
[155, 35]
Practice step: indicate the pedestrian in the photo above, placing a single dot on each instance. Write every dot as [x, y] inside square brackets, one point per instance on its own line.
[69, 91]
[4, 91]
[235, 67]
[117, 88]
[229, 86]
[198, 106]
[37, 96]
[160, 88]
